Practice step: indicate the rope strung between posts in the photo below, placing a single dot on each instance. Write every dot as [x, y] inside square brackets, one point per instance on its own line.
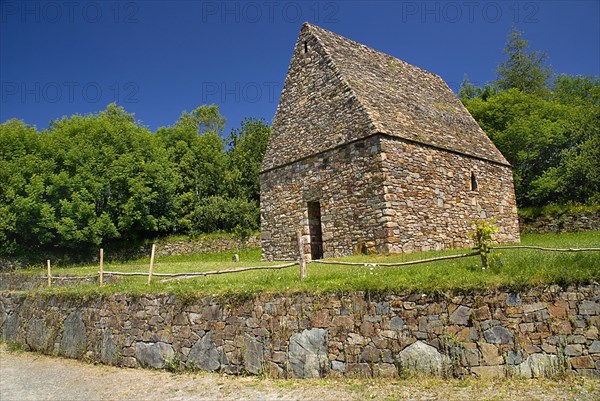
[464, 255]
[179, 276]
[187, 275]
[411, 262]
[71, 277]
[547, 249]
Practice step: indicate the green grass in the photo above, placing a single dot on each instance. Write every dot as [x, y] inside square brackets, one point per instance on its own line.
[520, 268]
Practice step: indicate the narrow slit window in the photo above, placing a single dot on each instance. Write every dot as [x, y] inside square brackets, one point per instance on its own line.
[315, 230]
[473, 182]
[305, 47]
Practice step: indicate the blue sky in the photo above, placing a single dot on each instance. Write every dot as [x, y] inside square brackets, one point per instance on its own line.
[159, 58]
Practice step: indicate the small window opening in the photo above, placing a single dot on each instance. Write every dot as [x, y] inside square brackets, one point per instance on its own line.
[305, 47]
[314, 227]
[473, 182]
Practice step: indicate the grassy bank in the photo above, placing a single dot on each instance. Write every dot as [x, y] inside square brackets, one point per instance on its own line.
[557, 210]
[519, 268]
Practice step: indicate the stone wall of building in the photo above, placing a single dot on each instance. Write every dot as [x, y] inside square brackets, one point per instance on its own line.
[341, 105]
[529, 333]
[383, 194]
[317, 109]
[430, 202]
[348, 183]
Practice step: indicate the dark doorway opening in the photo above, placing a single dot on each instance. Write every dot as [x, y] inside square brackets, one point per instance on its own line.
[314, 228]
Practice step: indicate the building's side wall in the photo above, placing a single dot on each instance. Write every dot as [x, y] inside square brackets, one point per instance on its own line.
[382, 194]
[348, 183]
[430, 204]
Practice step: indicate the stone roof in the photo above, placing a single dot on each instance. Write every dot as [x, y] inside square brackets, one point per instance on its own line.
[398, 99]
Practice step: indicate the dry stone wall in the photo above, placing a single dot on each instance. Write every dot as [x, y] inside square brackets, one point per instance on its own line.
[430, 202]
[565, 222]
[28, 281]
[317, 109]
[200, 245]
[166, 247]
[348, 183]
[382, 146]
[383, 194]
[541, 331]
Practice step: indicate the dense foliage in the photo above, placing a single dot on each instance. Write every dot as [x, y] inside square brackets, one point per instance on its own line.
[104, 177]
[547, 126]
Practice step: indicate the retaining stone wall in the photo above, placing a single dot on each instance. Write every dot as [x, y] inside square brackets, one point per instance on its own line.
[190, 246]
[178, 247]
[531, 333]
[587, 221]
[25, 282]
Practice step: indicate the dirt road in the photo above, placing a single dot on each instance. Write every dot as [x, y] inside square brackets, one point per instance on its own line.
[29, 376]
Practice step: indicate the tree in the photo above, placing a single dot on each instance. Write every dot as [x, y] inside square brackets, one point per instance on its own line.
[111, 179]
[103, 177]
[549, 133]
[552, 146]
[205, 118]
[468, 90]
[26, 217]
[576, 178]
[577, 90]
[247, 147]
[195, 147]
[523, 70]
[218, 188]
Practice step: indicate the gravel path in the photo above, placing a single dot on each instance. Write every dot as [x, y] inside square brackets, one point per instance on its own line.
[29, 376]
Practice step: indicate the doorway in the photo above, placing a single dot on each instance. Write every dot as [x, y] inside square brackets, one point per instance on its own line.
[314, 228]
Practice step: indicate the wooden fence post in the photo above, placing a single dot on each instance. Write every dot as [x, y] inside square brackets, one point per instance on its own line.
[302, 259]
[101, 277]
[151, 263]
[49, 273]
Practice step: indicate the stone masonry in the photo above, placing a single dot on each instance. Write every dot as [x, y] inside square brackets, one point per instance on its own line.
[383, 150]
[562, 222]
[535, 332]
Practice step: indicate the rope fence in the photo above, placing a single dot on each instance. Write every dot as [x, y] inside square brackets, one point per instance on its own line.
[198, 274]
[411, 262]
[302, 262]
[66, 278]
[539, 248]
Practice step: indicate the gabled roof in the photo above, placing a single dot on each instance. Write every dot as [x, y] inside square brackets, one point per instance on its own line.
[396, 98]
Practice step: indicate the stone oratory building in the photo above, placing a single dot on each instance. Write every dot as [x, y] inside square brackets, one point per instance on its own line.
[371, 154]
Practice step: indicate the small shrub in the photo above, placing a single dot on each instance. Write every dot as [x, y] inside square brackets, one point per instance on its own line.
[174, 364]
[16, 347]
[483, 239]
